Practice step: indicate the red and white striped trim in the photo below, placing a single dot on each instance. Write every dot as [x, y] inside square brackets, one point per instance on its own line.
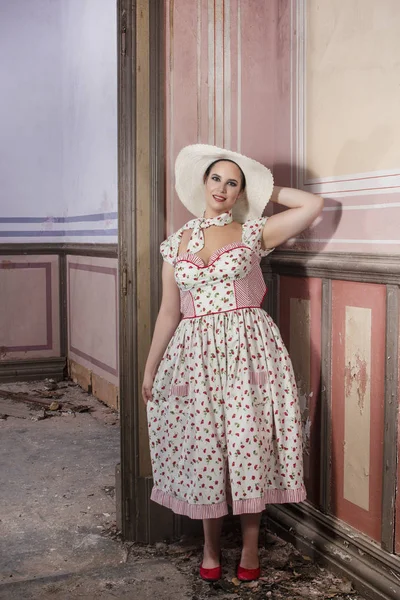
[194, 259]
[193, 511]
[250, 289]
[232, 246]
[187, 304]
[199, 262]
[221, 312]
[179, 390]
[258, 377]
[256, 505]
[240, 507]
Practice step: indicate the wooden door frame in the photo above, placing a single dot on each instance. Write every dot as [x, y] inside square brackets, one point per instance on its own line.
[141, 210]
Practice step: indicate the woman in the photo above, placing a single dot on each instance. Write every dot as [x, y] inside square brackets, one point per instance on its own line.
[223, 413]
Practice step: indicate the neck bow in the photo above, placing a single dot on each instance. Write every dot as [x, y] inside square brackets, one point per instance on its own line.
[196, 241]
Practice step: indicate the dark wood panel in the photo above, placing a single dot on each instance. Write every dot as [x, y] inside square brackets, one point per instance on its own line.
[101, 250]
[372, 268]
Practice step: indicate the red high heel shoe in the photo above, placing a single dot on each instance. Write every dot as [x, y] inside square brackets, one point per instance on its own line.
[211, 574]
[248, 574]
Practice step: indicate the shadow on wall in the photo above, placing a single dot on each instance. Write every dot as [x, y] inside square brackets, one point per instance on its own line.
[323, 228]
[311, 403]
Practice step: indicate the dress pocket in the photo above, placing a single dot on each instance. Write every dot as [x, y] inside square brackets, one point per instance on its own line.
[258, 377]
[179, 390]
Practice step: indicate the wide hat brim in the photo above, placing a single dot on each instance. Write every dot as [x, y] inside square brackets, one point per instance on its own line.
[193, 161]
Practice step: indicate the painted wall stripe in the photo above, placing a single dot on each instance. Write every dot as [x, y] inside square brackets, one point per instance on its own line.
[171, 130]
[60, 233]
[227, 75]
[377, 205]
[211, 73]
[49, 226]
[354, 188]
[67, 219]
[199, 24]
[292, 88]
[219, 74]
[345, 241]
[355, 177]
[239, 76]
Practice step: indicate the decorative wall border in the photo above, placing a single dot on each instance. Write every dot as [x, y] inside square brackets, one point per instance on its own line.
[49, 309]
[61, 227]
[368, 268]
[105, 271]
[373, 182]
[100, 250]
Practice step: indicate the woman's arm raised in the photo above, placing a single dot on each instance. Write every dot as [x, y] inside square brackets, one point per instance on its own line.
[305, 208]
[167, 321]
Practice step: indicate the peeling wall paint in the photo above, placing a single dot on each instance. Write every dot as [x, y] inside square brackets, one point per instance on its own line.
[357, 375]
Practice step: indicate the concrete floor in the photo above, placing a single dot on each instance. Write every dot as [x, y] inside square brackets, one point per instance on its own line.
[57, 520]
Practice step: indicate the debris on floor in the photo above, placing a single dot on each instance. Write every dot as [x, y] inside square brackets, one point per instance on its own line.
[286, 573]
[59, 539]
[42, 399]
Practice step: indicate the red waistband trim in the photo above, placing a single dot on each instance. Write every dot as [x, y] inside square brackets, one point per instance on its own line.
[220, 312]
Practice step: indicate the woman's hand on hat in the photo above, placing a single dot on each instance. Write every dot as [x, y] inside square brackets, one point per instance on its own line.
[304, 209]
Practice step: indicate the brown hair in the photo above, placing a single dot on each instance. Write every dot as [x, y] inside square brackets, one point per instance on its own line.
[208, 171]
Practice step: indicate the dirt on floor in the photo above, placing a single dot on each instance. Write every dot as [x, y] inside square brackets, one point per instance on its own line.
[58, 450]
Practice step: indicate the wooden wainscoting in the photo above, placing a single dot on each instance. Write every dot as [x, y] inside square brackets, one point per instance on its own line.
[45, 323]
[339, 317]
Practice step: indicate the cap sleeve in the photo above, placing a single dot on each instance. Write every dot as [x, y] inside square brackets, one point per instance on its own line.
[169, 248]
[252, 236]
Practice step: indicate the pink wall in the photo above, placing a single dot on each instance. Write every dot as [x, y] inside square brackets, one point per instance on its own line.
[221, 89]
[30, 311]
[92, 285]
[241, 83]
[247, 80]
[29, 314]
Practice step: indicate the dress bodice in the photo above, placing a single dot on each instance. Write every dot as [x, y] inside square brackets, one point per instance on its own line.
[231, 280]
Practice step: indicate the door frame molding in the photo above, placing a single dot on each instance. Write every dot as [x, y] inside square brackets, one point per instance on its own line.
[141, 210]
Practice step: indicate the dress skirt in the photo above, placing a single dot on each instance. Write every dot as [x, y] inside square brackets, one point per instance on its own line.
[224, 419]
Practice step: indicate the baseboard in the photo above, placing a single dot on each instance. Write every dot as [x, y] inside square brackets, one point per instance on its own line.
[35, 368]
[342, 548]
[91, 382]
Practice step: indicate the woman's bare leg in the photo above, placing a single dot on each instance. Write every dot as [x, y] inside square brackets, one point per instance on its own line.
[212, 542]
[250, 531]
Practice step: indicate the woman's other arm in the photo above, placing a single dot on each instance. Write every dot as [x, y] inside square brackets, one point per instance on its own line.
[167, 321]
[305, 208]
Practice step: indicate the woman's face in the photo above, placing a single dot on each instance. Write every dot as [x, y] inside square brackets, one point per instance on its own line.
[222, 187]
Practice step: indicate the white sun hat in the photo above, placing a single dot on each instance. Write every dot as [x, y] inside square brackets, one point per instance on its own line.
[193, 161]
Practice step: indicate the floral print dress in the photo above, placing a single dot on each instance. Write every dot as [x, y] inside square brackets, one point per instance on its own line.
[224, 419]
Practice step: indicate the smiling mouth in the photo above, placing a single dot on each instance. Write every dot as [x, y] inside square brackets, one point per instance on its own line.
[219, 198]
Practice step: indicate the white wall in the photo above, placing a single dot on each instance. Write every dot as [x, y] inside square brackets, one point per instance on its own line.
[58, 121]
[30, 100]
[89, 89]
